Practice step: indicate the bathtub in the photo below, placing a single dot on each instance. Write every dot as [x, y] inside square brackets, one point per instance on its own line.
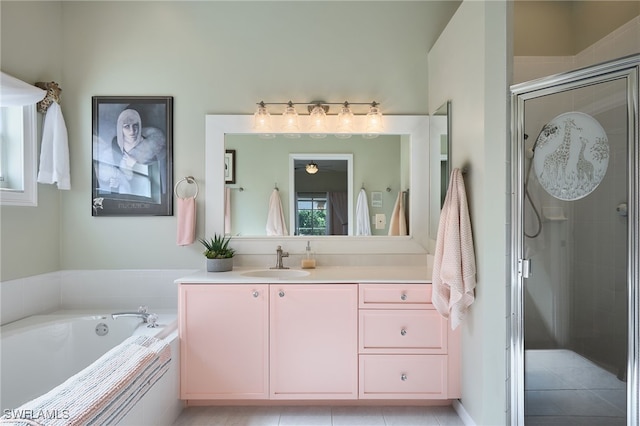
[40, 352]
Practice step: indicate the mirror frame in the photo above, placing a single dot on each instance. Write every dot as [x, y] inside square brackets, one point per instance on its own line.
[413, 127]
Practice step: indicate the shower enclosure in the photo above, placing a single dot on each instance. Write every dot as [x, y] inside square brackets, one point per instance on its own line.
[574, 336]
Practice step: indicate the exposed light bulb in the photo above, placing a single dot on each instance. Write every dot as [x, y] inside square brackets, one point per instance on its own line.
[345, 122]
[373, 122]
[262, 122]
[290, 122]
[318, 122]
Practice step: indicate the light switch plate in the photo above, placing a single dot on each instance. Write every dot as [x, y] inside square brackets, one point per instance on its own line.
[381, 221]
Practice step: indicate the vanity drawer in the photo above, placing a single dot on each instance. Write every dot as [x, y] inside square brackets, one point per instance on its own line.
[397, 296]
[403, 376]
[402, 331]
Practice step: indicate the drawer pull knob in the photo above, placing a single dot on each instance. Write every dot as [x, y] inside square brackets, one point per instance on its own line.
[281, 293]
[403, 296]
[403, 377]
[255, 293]
[403, 332]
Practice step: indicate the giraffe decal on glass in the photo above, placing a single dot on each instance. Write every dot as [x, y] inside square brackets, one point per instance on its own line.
[571, 156]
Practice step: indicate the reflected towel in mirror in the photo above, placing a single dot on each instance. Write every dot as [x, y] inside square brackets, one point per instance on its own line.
[398, 223]
[275, 218]
[363, 225]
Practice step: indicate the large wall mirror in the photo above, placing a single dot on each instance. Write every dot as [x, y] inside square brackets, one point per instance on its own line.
[394, 164]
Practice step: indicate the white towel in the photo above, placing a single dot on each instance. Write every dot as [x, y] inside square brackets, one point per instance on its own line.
[54, 154]
[227, 211]
[454, 268]
[363, 223]
[398, 222]
[275, 217]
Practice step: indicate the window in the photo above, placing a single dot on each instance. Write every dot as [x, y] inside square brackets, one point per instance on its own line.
[18, 144]
[311, 213]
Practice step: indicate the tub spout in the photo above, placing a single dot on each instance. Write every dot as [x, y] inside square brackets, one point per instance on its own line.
[150, 319]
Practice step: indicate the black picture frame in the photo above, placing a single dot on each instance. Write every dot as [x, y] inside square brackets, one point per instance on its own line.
[230, 166]
[132, 156]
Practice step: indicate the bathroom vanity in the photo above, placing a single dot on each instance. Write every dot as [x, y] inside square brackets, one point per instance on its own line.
[343, 333]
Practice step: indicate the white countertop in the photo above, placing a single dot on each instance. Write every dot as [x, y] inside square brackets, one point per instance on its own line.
[320, 275]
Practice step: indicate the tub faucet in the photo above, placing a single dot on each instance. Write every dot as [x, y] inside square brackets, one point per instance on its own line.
[280, 254]
[150, 319]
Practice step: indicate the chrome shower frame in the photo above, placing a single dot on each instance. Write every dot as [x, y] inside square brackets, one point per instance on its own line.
[624, 68]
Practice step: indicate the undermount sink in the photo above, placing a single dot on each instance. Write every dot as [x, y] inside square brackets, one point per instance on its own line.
[275, 273]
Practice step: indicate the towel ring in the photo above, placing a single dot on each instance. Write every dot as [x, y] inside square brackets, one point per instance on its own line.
[188, 179]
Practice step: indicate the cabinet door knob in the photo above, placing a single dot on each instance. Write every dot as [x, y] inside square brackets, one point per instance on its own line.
[255, 293]
[403, 332]
[281, 293]
[403, 377]
[403, 296]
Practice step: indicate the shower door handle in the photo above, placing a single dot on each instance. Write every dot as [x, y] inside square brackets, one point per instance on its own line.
[524, 268]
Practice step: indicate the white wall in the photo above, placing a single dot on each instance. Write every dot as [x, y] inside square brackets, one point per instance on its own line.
[212, 57]
[31, 235]
[476, 82]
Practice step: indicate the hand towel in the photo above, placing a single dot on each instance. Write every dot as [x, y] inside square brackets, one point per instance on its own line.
[54, 153]
[227, 211]
[398, 223]
[363, 222]
[454, 268]
[186, 220]
[275, 216]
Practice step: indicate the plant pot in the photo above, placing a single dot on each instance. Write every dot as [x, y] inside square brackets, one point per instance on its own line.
[220, 265]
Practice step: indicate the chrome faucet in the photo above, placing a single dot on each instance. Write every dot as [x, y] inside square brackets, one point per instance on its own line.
[150, 319]
[280, 254]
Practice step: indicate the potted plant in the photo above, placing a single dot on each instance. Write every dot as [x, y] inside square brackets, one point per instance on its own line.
[218, 253]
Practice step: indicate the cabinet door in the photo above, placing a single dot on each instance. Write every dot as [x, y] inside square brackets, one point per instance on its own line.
[314, 343]
[224, 341]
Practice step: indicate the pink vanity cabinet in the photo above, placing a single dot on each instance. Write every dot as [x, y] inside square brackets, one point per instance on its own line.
[314, 341]
[224, 341]
[407, 350]
[268, 341]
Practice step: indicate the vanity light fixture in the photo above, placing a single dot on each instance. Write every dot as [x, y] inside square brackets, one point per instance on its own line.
[262, 122]
[290, 121]
[373, 124]
[318, 128]
[318, 125]
[345, 122]
[311, 168]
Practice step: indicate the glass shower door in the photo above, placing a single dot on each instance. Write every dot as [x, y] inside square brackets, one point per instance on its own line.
[575, 305]
[577, 184]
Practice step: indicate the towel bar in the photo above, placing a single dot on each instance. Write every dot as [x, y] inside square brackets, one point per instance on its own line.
[188, 179]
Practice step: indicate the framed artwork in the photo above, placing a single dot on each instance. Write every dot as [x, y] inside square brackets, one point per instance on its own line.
[132, 156]
[230, 166]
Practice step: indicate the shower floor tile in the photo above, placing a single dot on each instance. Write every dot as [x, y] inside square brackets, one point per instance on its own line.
[562, 387]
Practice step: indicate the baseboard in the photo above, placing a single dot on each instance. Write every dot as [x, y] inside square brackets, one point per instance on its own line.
[462, 413]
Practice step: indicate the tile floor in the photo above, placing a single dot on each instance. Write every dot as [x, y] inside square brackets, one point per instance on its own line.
[564, 388]
[319, 416]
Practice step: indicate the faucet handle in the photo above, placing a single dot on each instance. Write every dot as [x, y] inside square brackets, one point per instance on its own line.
[152, 320]
[143, 309]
